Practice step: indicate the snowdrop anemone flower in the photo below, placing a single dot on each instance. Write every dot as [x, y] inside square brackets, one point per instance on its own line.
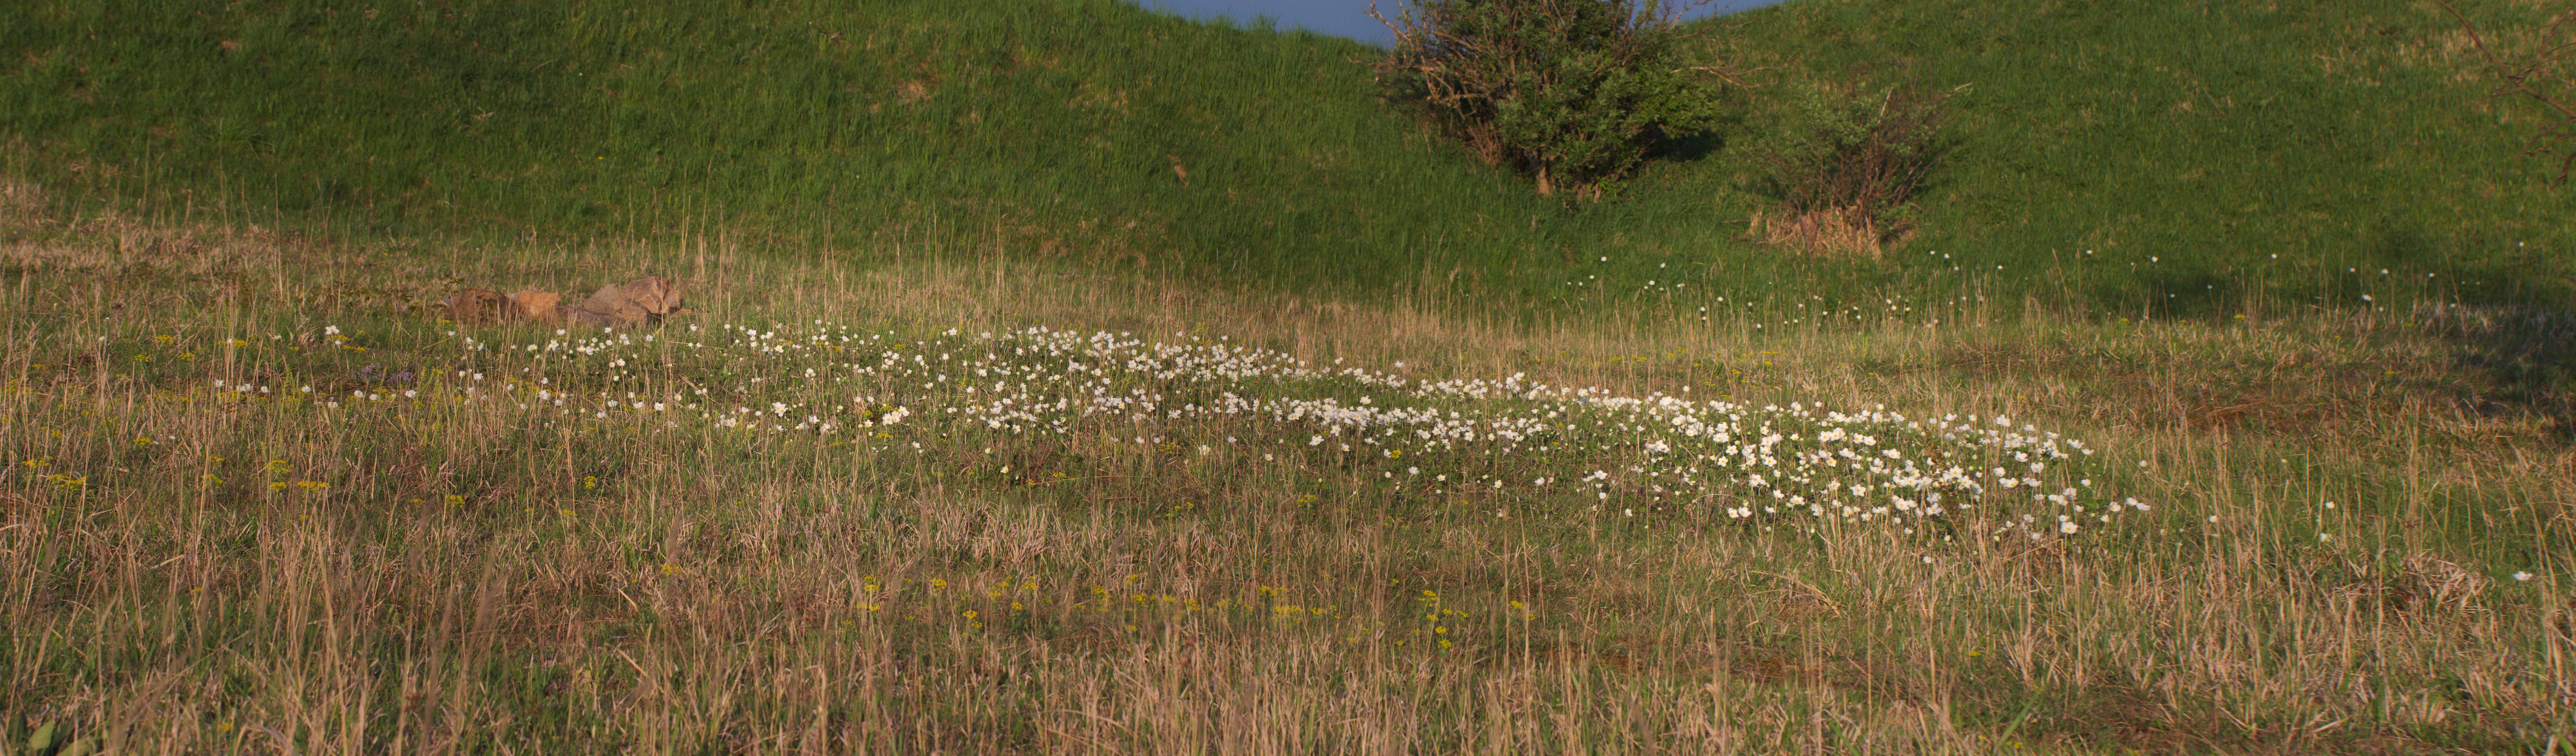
[1510, 440]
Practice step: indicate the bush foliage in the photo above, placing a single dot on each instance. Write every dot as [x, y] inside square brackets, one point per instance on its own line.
[1573, 93]
[1846, 163]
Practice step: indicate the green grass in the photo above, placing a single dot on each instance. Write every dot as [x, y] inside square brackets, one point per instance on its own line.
[1049, 129]
[2117, 156]
[188, 569]
[2216, 136]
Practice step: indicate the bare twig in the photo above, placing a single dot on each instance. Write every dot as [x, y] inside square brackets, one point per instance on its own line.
[2518, 79]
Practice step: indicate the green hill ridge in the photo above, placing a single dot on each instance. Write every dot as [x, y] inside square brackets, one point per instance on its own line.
[2123, 155]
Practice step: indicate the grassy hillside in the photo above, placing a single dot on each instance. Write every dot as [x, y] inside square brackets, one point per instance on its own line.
[2293, 147]
[2184, 145]
[1087, 130]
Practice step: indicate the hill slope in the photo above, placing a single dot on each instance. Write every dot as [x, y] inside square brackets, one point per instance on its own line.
[1092, 129]
[2216, 136]
[2185, 144]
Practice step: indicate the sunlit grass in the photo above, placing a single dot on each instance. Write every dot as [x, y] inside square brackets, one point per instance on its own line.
[679, 540]
[2167, 159]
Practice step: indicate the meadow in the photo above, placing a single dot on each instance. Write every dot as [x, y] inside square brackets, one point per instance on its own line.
[2220, 406]
[260, 498]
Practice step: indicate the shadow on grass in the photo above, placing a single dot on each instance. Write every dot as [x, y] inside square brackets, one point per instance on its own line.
[2527, 355]
[2511, 320]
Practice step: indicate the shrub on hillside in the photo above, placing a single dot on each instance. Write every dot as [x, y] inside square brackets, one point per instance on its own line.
[1572, 93]
[1845, 166]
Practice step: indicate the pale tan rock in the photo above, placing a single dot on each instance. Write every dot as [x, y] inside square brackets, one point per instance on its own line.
[654, 295]
[633, 304]
[476, 307]
[628, 305]
[539, 306]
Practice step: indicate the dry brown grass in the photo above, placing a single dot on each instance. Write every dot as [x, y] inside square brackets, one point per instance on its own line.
[21, 203]
[1832, 232]
[721, 595]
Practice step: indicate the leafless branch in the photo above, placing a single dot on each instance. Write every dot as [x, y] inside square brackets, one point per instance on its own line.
[2519, 77]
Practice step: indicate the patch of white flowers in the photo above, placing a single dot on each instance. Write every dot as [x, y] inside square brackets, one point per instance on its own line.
[1472, 441]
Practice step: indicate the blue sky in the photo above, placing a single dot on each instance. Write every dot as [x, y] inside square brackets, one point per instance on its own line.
[1348, 18]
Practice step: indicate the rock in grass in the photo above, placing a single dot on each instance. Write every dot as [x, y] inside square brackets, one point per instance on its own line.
[536, 305]
[477, 307]
[633, 304]
[628, 305]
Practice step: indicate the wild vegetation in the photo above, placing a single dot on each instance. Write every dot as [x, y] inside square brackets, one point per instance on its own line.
[2186, 160]
[1847, 165]
[2539, 66]
[756, 531]
[909, 479]
[1572, 93]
